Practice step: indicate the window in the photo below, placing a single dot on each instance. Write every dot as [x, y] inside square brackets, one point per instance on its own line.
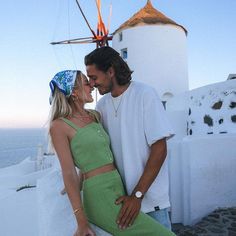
[164, 104]
[165, 98]
[120, 36]
[124, 53]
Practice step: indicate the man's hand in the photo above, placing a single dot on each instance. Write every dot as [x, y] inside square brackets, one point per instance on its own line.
[129, 211]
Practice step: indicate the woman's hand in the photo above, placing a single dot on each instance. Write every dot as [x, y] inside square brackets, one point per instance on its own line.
[84, 230]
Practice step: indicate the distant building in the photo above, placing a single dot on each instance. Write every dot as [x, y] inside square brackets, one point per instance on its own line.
[231, 76]
[155, 48]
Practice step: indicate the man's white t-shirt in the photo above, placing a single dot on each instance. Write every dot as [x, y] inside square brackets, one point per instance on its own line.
[134, 121]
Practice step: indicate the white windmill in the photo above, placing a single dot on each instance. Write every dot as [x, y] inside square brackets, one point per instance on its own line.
[155, 48]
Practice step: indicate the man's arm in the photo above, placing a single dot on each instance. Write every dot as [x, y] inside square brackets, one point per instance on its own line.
[153, 166]
[131, 204]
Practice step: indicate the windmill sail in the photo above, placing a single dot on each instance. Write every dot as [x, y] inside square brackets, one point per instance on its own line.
[101, 38]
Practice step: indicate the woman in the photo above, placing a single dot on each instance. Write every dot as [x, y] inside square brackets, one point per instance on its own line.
[80, 140]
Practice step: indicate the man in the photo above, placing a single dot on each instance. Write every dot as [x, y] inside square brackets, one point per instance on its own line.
[134, 117]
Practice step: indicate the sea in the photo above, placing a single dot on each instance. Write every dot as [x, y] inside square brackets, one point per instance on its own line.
[18, 144]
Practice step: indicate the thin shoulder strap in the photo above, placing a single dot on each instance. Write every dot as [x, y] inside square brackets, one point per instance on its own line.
[70, 123]
[95, 115]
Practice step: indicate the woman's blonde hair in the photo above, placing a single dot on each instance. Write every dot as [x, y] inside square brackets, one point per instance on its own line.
[61, 105]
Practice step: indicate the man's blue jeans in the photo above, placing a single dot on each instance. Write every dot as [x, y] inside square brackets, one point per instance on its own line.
[162, 216]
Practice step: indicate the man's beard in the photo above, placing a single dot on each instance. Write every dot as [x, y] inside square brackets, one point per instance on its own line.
[107, 89]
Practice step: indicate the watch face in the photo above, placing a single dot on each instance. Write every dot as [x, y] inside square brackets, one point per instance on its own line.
[138, 194]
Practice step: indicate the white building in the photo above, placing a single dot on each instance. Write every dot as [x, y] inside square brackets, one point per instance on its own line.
[201, 156]
[155, 47]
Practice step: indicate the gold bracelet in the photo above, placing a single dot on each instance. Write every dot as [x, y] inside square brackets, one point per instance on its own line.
[78, 210]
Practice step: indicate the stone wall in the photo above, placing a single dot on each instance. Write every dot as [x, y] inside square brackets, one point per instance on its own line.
[212, 109]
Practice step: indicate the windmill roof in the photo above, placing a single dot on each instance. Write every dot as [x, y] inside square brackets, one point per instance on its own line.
[148, 15]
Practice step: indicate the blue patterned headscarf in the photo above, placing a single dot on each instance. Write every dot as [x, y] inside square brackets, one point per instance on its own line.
[64, 81]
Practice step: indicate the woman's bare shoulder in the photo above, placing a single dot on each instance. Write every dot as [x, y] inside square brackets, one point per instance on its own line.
[57, 126]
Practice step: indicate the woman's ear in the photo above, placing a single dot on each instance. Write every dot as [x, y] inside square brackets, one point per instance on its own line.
[74, 96]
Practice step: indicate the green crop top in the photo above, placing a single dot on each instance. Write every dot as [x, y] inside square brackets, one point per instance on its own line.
[90, 146]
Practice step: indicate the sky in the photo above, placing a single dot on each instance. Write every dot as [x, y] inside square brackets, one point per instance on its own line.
[28, 61]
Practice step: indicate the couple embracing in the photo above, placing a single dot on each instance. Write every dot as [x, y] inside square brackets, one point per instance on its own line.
[120, 149]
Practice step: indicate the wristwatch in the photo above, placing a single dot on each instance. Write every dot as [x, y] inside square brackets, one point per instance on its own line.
[138, 195]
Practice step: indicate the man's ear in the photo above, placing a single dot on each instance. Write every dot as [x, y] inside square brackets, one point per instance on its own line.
[111, 71]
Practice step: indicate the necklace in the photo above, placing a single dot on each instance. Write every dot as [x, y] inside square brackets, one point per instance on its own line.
[86, 114]
[83, 118]
[113, 104]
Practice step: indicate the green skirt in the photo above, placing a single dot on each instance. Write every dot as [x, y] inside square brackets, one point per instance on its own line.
[99, 195]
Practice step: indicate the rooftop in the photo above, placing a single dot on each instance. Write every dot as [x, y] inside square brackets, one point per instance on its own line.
[148, 15]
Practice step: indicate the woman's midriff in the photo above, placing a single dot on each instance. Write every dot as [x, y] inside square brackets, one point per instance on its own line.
[98, 171]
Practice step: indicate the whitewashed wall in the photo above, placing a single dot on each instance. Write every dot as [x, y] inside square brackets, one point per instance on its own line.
[202, 176]
[202, 162]
[158, 56]
[212, 109]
